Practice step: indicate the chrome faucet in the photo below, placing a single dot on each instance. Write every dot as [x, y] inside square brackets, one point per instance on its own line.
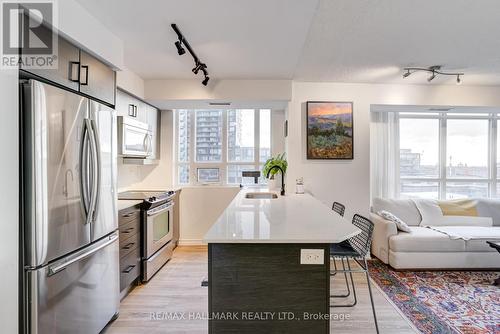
[282, 178]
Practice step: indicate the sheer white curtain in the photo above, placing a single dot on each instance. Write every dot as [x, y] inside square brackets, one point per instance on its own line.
[384, 154]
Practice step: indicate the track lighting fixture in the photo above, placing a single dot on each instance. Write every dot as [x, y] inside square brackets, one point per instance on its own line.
[198, 65]
[434, 70]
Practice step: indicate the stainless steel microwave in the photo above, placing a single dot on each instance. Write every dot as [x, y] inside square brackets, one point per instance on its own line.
[135, 139]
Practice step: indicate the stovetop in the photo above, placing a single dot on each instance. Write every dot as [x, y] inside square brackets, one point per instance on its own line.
[151, 198]
[141, 194]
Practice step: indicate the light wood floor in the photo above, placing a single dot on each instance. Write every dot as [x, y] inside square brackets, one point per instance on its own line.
[176, 288]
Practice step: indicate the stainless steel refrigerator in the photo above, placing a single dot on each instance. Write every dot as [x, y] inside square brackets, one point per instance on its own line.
[71, 263]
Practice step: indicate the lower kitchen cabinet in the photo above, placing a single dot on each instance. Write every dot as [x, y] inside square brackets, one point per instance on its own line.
[129, 221]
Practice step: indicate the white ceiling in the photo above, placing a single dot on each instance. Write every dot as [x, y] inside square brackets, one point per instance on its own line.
[314, 40]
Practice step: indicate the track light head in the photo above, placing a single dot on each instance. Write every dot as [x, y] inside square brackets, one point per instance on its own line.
[180, 49]
[432, 76]
[205, 81]
[407, 74]
[459, 81]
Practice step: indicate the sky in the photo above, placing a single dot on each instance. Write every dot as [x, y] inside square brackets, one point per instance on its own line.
[467, 140]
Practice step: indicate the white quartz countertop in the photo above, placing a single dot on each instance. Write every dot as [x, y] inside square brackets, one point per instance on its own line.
[127, 203]
[293, 218]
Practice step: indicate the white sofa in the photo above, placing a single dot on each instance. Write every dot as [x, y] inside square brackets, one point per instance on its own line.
[425, 248]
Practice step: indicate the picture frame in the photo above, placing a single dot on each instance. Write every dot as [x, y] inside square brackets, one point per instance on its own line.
[329, 130]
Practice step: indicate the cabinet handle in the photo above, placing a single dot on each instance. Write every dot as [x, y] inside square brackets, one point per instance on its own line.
[128, 269]
[130, 229]
[86, 67]
[130, 214]
[70, 74]
[128, 246]
[131, 110]
[135, 111]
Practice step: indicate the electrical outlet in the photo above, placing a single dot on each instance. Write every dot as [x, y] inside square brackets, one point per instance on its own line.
[312, 256]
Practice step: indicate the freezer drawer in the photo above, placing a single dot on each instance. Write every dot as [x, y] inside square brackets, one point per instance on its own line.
[78, 294]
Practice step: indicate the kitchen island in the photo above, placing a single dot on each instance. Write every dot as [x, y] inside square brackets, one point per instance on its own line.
[268, 264]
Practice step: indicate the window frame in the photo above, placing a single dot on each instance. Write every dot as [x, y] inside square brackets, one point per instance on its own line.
[223, 165]
[492, 180]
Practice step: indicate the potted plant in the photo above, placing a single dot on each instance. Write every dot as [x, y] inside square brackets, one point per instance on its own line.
[278, 160]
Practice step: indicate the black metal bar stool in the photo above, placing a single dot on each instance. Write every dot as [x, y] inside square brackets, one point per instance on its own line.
[355, 248]
[338, 208]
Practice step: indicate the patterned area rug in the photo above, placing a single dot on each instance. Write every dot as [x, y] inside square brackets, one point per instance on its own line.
[443, 301]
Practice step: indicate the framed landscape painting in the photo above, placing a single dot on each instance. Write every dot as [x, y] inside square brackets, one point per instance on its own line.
[329, 130]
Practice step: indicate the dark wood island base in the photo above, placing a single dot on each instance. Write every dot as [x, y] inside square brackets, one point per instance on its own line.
[263, 288]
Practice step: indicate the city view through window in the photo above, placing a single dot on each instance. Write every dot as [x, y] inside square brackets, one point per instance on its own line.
[225, 143]
[447, 157]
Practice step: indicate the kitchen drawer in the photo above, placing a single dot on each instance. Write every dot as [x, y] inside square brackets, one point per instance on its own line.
[129, 244]
[130, 268]
[131, 228]
[127, 215]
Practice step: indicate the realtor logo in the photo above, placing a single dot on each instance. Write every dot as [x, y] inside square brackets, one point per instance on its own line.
[28, 39]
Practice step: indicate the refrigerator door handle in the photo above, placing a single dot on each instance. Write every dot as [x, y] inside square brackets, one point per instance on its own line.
[57, 267]
[84, 169]
[96, 166]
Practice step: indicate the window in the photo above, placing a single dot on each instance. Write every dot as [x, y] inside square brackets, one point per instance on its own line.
[225, 143]
[447, 156]
[240, 135]
[265, 135]
[419, 147]
[208, 135]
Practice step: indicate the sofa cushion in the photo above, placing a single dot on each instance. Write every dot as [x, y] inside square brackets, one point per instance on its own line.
[489, 208]
[405, 209]
[479, 246]
[422, 239]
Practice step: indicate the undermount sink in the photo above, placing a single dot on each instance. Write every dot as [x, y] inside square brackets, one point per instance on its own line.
[261, 195]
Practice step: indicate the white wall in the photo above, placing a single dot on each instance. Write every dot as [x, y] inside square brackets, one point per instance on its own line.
[9, 203]
[175, 93]
[349, 181]
[200, 208]
[277, 132]
[130, 82]
[78, 25]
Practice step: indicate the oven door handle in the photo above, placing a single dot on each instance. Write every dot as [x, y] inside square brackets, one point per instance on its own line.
[160, 209]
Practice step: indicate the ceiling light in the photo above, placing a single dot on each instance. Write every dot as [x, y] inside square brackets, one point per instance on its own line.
[431, 77]
[434, 70]
[199, 65]
[180, 49]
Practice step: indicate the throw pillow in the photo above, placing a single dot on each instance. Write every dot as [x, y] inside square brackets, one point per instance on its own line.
[401, 225]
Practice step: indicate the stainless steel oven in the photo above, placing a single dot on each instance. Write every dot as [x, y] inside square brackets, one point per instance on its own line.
[158, 228]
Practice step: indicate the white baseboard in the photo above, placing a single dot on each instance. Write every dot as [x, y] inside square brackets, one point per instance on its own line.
[191, 242]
